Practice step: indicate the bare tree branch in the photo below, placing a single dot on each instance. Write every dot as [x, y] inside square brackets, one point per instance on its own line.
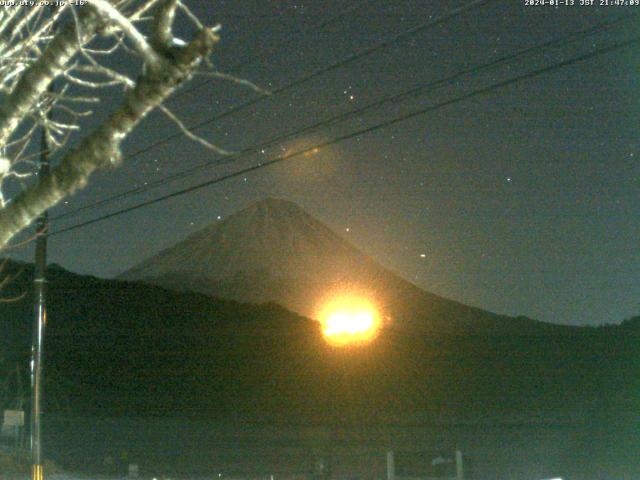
[137, 39]
[36, 79]
[33, 53]
[101, 149]
[163, 25]
[189, 134]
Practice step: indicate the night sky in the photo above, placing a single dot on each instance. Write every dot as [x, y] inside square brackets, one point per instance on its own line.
[522, 201]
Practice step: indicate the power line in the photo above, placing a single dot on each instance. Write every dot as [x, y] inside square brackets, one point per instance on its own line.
[279, 46]
[408, 116]
[333, 66]
[420, 89]
[350, 58]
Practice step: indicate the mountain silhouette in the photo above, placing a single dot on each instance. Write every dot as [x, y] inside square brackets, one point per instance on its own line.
[108, 339]
[162, 362]
[274, 251]
[128, 350]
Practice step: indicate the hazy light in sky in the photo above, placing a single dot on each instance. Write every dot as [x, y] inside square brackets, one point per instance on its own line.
[313, 164]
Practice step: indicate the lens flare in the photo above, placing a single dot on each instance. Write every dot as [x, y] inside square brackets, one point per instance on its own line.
[348, 320]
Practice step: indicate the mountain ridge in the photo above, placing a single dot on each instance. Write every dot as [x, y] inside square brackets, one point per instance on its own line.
[108, 338]
[118, 352]
[273, 250]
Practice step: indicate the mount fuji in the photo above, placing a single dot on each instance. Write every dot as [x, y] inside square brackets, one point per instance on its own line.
[274, 251]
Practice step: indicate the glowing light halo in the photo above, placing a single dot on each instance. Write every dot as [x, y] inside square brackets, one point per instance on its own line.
[349, 319]
[311, 163]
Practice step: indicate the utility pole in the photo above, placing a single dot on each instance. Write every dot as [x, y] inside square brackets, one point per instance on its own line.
[391, 465]
[39, 321]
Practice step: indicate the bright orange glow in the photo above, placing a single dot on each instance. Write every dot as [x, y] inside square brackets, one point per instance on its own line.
[349, 319]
